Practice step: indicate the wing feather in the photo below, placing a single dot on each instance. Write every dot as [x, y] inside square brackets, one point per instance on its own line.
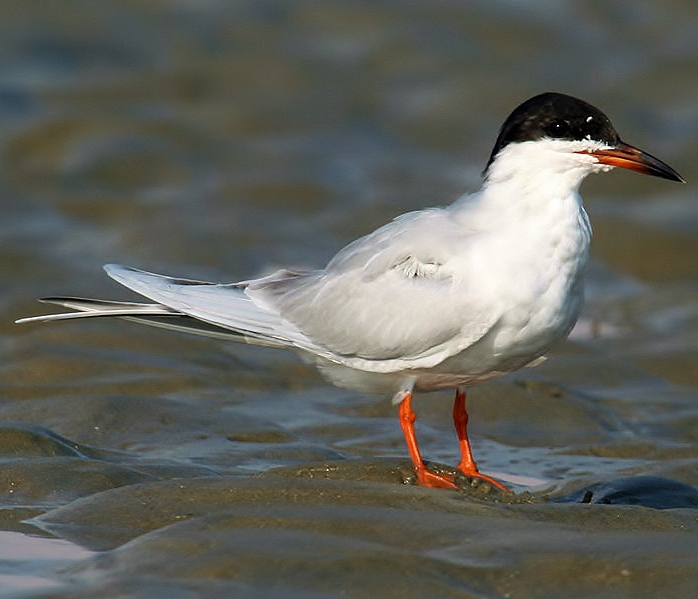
[392, 296]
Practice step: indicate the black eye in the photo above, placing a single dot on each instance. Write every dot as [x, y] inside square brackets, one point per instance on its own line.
[559, 129]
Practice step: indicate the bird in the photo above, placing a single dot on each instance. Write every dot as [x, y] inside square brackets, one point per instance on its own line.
[444, 297]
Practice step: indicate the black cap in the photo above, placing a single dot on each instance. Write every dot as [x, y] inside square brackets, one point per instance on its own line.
[555, 116]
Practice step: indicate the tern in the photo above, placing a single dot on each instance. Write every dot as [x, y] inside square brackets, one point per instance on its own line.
[445, 297]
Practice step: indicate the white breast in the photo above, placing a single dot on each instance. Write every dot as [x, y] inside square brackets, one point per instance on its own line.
[530, 265]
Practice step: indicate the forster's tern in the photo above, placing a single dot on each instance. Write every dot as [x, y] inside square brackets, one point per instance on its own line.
[442, 297]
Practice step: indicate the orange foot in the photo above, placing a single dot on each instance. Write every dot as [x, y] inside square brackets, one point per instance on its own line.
[427, 478]
[495, 483]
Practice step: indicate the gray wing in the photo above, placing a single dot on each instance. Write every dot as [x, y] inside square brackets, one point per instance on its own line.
[397, 296]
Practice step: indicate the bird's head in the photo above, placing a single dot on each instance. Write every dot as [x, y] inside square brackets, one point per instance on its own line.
[562, 132]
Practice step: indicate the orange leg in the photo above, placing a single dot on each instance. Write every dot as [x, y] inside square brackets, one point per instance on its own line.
[467, 463]
[424, 477]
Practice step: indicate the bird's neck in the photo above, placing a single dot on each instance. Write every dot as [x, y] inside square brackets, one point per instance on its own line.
[537, 170]
[531, 194]
[530, 181]
[532, 230]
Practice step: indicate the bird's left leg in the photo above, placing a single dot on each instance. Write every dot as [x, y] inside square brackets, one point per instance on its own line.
[467, 463]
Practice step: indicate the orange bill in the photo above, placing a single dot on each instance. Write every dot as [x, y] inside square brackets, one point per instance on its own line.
[627, 156]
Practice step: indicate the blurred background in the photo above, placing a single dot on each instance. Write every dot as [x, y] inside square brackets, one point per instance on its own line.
[218, 140]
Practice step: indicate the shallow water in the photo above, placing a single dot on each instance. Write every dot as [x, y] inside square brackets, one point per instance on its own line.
[218, 140]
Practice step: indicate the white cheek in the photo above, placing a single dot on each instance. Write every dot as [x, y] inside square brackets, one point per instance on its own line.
[592, 160]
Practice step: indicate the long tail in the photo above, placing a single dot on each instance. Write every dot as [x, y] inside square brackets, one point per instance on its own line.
[150, 314]
[89, 308]
[209, 309]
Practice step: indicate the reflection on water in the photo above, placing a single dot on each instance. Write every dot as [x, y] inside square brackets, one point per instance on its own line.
[29, 563]
[218, 140]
